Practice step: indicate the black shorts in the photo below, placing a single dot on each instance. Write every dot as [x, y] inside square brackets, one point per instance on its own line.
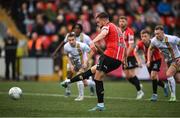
[155, 66]
[131, 63]
[107, 64]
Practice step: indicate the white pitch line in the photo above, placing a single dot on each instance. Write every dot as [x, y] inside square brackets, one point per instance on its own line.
[106, 97]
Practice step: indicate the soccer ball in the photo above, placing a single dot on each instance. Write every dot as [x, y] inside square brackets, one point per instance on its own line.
[15, 93]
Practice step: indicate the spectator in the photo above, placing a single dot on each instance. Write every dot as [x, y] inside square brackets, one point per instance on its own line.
[70, 17]
[61, 35]
[23, 17]
[97, 7]
[10, 55]
[152, 15]
[46, 42]
[50, 11]
[121, 12]
[176, 8]
[132, 6]
[39, 24]
[85, 24]
[75, 5]
[53, 46]
[115, 19]
[144, 4]
[164, 8]
[60, 20]
[35, 47]
[138, 25]
[49, 28]
[121, 4]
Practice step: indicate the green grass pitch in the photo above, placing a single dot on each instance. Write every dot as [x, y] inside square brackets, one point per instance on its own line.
[47, 99]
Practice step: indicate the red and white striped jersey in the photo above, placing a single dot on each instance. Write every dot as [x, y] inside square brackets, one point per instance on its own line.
[156, 54]
[115, 44]
[128, 36]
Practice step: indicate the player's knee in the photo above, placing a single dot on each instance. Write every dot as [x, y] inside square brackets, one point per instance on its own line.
[99, 75]
[93, 69]
[130, 75]
[153, 77]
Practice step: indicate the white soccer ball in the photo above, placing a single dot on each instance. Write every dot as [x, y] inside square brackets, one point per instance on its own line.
[15, 93]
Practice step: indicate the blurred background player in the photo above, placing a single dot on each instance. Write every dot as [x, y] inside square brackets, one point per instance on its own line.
[155, 64]
[129, 70]
[77, 63]
[80, 35]
[84, 38]
[168, 45]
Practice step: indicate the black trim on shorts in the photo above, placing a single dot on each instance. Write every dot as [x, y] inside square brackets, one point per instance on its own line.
[131, 63]
[155, 66]
[107, 64]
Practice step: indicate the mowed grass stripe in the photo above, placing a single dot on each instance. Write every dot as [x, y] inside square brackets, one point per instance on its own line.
[106, 97]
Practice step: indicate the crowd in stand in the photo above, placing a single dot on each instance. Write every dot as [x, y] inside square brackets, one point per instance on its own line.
[46, 17]
[46, 22]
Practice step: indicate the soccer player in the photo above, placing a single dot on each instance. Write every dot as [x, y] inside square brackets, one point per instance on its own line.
[129, 70]
[76, 63]
[111, 59]
[155, 64]
[81, 37]
[168, 46]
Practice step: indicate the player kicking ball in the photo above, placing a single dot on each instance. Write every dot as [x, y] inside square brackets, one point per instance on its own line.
[111, 59]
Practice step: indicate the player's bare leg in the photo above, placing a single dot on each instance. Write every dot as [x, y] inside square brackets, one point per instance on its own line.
[79, 77]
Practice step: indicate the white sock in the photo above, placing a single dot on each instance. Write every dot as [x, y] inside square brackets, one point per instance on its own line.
[67, 80]
[140, 91]
[80, 86]
[90, 82]
[68, 88]
[172, 85]
[100, 104]
[91, 85]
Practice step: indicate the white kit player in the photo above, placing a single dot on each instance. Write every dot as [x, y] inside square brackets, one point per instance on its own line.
[77, 62]
[80, 36]
[168, 45]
